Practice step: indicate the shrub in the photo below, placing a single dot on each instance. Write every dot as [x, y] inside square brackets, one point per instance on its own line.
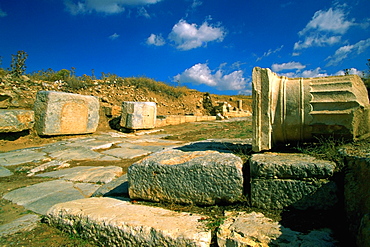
[155, 86]
[18, 64]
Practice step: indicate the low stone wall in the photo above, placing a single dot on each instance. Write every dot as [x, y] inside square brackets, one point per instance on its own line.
[179, 119]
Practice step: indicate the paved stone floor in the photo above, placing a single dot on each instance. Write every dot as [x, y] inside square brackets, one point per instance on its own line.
[77, 182]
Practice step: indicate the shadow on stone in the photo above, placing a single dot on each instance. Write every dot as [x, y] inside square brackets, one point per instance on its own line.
[14, 135]
[222, 147]
[117, 187]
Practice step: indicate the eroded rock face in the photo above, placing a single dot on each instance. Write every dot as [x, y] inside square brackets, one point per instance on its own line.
[138, 115]
[296, 109]
[16, 120]
[59, 113]
[242, 229]
[280, 180]
[198, 177]
[113, 222]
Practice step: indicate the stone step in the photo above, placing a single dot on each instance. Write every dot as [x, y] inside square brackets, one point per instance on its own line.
[114, 222]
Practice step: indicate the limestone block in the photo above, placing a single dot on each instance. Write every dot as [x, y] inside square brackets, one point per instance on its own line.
[299, 109]
[59, 113]
[138, 115]
[199, 177]
[16, 120]
[254, 229]
[280, 193]
[289, 165]
[113, 222]
[357, 190]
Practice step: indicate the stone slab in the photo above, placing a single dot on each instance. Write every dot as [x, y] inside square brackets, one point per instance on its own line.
[289, 165]
[87, 174]
[75, 153]
[281, 193]
[40, 197]
[254, 229]
[138, 115]
[16, 120]
[25, 223]
[112, 222]
[21, 156]
[117, 187]
[59, 113]
[126, 153]
[199, 177]
[5, 172]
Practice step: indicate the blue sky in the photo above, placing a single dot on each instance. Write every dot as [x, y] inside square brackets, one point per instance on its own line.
[208, 45]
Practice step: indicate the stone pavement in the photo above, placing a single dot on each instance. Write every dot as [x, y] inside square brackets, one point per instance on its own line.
[77, 182]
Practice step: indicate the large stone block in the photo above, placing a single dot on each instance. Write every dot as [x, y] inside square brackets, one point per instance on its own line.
[300, 109]
[199, 177]
[112, 222]
[289, 165]
[59, 113]
[281, 193]
[138, 115]
[16, 120]
[280, 180]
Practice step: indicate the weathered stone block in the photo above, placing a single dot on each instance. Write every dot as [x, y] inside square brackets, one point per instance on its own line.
[289, 165]
[138, 115]
[199, 177]
[280, 193]
[112, 222]
[59, 113]
[16, 120]
[254, 229]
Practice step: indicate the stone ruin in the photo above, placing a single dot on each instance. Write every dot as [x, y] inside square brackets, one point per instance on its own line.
[300, 109]
[285, 110]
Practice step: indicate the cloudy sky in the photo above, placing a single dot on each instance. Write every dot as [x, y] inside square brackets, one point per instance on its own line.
[209, 45]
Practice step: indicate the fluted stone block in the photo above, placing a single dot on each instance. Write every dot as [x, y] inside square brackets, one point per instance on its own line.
[138, 115]
[16, 120]
[59, 113]
[199, 177]
[300, 109]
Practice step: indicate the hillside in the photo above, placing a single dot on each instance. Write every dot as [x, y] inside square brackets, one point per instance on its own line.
[21, 93]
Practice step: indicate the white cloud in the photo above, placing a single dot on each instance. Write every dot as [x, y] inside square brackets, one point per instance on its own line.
[351, 71]
[2, 13]
[196, 3]
[114, 36]
[316, 40]
[188, 36]
[269, 52]
[325, 28]
[156, 40]
[202, 74]
[103, 6]
[343, 52]
[287, 66]
[331, 20]
[318, 72]
[143, 12]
